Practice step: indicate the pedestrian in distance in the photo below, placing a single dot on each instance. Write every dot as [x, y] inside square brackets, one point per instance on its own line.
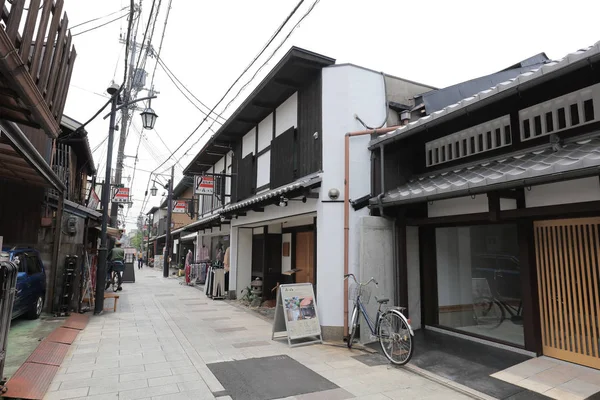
[140, 258]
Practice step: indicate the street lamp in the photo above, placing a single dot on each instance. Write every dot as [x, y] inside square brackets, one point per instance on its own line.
[153, 189]
[148, 118]
[114, 91]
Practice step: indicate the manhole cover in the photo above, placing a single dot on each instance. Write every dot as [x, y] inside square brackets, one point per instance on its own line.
[268, 378]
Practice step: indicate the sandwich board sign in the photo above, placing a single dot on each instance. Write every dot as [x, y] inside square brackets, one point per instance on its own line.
[204, 184]
[296, 316]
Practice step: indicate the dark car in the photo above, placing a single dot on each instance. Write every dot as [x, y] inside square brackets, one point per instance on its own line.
[31, 282]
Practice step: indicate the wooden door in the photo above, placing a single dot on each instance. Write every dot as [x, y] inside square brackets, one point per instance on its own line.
[305, 257]
[568, 260]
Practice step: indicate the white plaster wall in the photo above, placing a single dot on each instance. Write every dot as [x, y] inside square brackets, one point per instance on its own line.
[414, 276]
[265, 132]
[249, 143]
[263, 169]
[575, 191]
[219, 166]
[376, 261]
[243, 265]
[286, 115]
[275, 212]
[286, 262]
[228, 182]
[274, 228]
[233, 257]
[347, 90]
[299, 221]
[258, 231]
[508, 204]
[458, 206]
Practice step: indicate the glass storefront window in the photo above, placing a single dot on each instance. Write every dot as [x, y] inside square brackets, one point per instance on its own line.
[479, 282]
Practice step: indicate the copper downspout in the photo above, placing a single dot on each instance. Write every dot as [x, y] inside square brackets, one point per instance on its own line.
[347, 206]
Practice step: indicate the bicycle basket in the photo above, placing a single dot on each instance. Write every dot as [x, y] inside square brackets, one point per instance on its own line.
[356, 290]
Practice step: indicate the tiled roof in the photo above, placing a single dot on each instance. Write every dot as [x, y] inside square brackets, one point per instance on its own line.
[515, 171]
[572, 59]
[307, 181]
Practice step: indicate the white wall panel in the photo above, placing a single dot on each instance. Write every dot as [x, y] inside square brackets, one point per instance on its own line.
[265, 132]
[286, 115]
[575, 191]
[249, 143]
[458, 206]
[263, 169]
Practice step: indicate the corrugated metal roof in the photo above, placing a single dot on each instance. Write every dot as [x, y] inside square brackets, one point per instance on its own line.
[300, 183]
[550, 68]
[516, 171]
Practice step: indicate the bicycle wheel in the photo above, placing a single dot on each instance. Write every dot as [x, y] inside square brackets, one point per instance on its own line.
[113, 282]
[395, 338]
[487, 313]
[353, 326]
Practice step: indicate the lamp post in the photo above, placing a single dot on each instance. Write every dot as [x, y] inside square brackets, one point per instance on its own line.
[114, 90]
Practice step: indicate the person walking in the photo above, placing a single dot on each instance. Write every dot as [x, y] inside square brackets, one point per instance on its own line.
[140, 258]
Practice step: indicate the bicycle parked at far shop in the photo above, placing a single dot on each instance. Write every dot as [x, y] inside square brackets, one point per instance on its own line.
[390, 327]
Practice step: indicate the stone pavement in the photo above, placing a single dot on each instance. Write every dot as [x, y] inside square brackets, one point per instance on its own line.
[165, 338]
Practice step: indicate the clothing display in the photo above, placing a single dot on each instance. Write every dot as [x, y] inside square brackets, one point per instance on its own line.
[215, 282]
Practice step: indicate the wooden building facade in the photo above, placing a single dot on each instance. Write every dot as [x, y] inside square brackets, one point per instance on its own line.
[496, 202]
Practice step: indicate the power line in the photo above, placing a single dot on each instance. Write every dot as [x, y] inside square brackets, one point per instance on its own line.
[255, 73]
[158, 61]
[162, 38]
[99, 26]
[279, 29]
[236, 81]
[96, 19]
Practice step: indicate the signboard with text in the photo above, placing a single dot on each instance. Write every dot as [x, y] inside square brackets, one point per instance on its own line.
[296, 314]
[204, 184]
[121, 195]
[179, 206]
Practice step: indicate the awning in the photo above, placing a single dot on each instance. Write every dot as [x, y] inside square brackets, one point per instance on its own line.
[20, 160]
[266, 198]
[574, 160]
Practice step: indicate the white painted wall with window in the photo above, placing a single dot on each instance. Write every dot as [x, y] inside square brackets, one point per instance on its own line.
[263, 169]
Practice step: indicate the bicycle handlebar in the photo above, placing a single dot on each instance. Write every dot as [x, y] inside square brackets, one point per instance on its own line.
[361, 283]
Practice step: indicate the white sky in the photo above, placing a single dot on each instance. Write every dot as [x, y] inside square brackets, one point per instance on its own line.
[209, 43]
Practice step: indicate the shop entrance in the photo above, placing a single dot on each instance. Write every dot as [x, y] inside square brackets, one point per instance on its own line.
[568, 260]
[305, 257]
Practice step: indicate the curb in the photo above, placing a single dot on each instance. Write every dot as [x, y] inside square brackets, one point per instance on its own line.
[467, 391]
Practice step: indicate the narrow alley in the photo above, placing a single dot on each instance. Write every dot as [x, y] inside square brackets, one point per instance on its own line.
[168, 341]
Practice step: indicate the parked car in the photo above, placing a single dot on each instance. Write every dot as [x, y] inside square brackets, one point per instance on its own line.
[31, 282]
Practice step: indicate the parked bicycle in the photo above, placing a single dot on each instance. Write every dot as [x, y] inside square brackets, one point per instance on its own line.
[391, 327]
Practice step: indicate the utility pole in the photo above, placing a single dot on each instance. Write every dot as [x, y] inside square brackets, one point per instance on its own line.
[106, 192]
[169, 217]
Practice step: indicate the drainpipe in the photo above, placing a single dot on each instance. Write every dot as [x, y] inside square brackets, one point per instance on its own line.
[347, 205]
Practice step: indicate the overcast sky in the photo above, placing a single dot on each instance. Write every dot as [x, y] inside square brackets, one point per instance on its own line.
[208, 44]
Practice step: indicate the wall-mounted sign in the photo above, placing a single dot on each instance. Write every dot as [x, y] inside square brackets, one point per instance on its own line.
[121, 195]
[179, 206]
[204, 184]
[94, 200]
[296, 314]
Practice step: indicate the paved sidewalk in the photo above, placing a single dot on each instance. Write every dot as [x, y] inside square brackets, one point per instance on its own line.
[163, 336]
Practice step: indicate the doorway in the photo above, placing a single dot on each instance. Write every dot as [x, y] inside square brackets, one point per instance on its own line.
[568, 260]
[305, 257]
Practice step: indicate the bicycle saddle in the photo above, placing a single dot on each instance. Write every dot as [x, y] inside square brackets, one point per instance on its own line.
[382, 300]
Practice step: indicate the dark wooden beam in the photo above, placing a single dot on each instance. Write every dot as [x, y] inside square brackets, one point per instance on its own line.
[258, 209]
[493, 205]
[260, 104]
[449, 220]
[288, 83]
[247, 121]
